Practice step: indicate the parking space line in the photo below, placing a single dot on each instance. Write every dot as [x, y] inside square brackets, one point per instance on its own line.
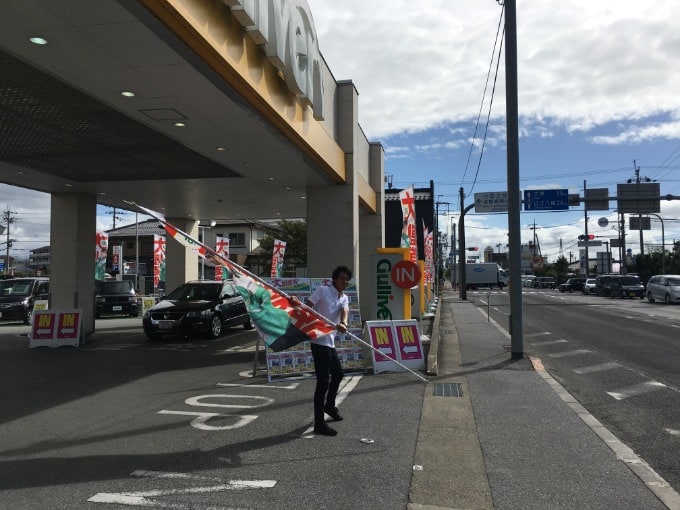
[601, 367]
[567, 354]
[636, 389]
[550, 342]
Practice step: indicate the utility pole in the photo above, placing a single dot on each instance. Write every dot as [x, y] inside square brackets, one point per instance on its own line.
[8, 219]
[514, 198]
[585, 231]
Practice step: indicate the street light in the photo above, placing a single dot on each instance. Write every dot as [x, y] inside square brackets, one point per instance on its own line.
[201, 230]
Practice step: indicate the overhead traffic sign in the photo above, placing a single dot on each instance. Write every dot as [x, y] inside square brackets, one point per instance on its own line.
[546, 200]
[495, 201]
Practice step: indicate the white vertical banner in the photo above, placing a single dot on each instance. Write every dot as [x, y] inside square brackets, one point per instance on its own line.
[277, 258]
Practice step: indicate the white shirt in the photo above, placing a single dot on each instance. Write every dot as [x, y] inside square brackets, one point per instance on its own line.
[329, 304]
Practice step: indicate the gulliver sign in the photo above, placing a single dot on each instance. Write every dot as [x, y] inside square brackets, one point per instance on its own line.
[286, 30]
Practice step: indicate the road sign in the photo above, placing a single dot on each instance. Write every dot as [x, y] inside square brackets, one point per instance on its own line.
[603, 222]
[546, 200]
[405, 274]
[637, 223]
[496, 201]
[596, 199]
[639, 198]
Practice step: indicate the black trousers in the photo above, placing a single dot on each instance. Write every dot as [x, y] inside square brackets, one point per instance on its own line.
[328, 375]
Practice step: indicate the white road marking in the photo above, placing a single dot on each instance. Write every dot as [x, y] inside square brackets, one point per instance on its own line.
[268, 386]
[673, 432]
[567, 354]
[199, 401]
[542, 333]
[551, 342]
[200, 422]
[142, 498]
[636, 389]
[597, 368]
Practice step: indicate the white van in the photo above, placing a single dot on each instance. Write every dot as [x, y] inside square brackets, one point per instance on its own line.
[528, 280]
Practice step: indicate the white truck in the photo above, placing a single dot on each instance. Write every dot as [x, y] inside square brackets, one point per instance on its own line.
[485, 275]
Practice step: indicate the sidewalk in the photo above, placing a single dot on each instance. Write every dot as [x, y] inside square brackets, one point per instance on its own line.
[514, 438]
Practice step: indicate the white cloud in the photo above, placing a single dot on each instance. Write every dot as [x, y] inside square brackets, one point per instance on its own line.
[580, 63]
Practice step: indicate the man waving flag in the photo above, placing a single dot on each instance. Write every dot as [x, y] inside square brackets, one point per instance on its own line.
[280, 321]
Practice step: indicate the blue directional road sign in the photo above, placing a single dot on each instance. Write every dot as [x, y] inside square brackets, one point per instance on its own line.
[546, 200]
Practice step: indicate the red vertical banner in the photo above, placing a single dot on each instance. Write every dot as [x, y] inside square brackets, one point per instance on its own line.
[277, 258]
[158, 260]
[222, 248]
[408, 234]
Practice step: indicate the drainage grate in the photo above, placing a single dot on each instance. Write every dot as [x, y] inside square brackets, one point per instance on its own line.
[447, 390]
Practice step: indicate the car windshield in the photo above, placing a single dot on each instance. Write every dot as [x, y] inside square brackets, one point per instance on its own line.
[196, 291]
[630, 280]
[15, 288]
[115, 288]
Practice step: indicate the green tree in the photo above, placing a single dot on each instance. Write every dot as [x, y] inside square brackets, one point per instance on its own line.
[294, 233]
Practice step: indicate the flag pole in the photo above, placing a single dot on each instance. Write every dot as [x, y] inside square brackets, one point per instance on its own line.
[203, 251]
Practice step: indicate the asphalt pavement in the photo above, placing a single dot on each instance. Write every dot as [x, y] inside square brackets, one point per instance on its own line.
[501, 433]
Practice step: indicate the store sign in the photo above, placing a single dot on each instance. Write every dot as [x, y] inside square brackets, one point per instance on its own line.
[286, 31]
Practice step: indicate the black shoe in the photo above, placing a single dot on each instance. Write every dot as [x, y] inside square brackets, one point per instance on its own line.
[332, 412]
[325, 430]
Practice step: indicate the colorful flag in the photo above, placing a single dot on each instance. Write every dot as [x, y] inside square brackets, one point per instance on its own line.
[101, 250]
[222, 248]
[408, 234]
[277, 258]
[280, 321]
[158, 260]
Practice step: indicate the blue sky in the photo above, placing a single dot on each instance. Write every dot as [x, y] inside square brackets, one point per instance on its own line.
[598, 89]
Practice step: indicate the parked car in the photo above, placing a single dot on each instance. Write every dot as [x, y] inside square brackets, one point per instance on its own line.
[544, 282]
[665, 288]
[18, 295]
[602, 284]
[589, 286]
[197, 307]
[572, 284]
[626, 286]
[116, 297]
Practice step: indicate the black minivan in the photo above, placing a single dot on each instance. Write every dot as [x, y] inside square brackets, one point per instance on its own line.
[18, 295]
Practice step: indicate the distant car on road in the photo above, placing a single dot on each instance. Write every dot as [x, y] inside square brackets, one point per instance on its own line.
[665, 288]
[589, 286]
[572, 284]
[626, 286]
[197, 307]
[18, 295]
[544, 282]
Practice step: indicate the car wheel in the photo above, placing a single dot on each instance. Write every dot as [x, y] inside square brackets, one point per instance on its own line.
[29, 317]
[248, 324]
[649, 297]
[215, 326]
[667, 299]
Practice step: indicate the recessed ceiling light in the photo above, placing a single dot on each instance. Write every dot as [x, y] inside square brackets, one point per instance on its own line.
[68, 185]
[303, 197]
[272, 178]
[38, 40]
[247, 164]
[288, 188]
[102, 193]
[20, 172]
[127, 93]
[221, 149]
[180, 124]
